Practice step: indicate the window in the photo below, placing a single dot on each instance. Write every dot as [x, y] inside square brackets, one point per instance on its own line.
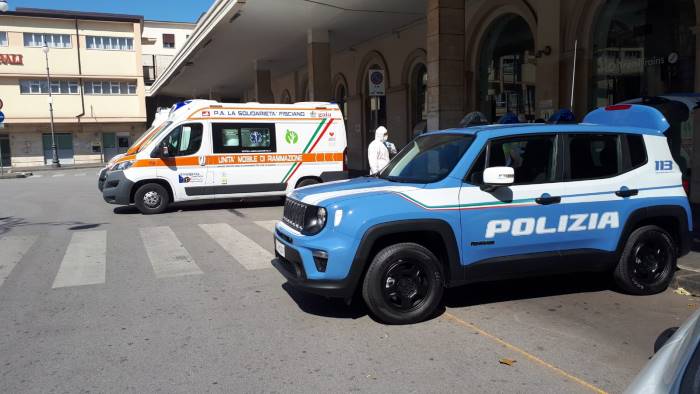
[37, 40]
[242, 138]
[168, 40]
[593, 156]
[3, 39]
[637, 150]
[184, 140]
[110, 43]
[427, 159]
[110, 87]
[531, 157]
[41, 86]
[123, 141]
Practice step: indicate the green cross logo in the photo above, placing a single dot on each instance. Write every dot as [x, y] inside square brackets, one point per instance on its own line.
[291, 137]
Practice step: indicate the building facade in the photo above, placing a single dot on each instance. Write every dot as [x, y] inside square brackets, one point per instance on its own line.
[96, 83]
[159, 44]
[442, 59]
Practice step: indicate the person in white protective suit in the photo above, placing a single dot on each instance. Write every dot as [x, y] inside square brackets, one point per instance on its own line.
[378, 153]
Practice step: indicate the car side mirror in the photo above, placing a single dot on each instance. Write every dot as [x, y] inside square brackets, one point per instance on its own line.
[495, 177]
[161, 151]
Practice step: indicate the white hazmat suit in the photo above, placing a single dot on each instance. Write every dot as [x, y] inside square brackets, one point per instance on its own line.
[377, 153]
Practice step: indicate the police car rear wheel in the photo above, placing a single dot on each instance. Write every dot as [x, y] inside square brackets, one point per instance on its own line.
[151, 198]
[648, 261]
[403, 284]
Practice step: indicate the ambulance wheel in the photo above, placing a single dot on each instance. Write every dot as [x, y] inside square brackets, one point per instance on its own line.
[151, 199]
[648, 261]
[403, 284]
[307, 182]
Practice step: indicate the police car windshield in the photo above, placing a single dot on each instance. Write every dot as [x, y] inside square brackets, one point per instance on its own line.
[427, 159]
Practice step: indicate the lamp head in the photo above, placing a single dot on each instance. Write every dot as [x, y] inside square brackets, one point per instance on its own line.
[45, 48]
[3, 6]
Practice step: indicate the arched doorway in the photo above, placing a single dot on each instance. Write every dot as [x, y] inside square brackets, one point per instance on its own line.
[419, 99]
[340, 95]
[507, 69]
[286, 97]
[375, 106]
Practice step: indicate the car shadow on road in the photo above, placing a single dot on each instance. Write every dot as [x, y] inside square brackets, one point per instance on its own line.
[9, 223]
[326, 307]
[528, 288]
[194, 206]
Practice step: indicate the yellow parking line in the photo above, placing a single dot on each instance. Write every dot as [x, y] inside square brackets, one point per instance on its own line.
[450, 317]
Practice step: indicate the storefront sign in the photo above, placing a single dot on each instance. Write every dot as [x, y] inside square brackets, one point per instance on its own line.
[376, 83]
[13, 60]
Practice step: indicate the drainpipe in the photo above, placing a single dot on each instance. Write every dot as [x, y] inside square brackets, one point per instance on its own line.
[80, 70]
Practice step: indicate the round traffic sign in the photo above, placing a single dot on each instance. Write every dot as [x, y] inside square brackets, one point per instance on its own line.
[2, 117]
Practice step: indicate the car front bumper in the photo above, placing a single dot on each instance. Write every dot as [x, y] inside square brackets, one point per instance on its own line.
[117, 188]
[298, 266]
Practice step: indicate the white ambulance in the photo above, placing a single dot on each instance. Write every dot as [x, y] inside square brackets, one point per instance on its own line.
[210, 150]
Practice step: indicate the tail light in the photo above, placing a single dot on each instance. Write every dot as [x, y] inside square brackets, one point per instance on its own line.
[345, 159]
[686, 186]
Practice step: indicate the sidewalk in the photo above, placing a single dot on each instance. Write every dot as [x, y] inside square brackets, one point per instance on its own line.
[688, 275]
[63, 167]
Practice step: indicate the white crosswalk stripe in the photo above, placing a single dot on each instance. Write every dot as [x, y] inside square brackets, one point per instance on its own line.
[12, 249]
[248, 253]
[268, 225]
[168, 256]
[85, 260]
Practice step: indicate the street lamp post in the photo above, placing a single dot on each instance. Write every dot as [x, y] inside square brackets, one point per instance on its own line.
[54, 149]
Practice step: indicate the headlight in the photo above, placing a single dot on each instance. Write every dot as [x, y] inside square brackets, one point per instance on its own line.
[123, 165]
[315, 220]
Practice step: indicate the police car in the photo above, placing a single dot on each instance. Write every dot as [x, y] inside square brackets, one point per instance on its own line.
[494, 202]
[209, 150]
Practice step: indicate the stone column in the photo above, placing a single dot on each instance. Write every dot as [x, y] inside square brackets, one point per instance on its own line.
[263, 84]
[319, 64]
[445, 57]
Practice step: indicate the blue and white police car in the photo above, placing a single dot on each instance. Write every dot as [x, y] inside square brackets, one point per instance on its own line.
[494, 202]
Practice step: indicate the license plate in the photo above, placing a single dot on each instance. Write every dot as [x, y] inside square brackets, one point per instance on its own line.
[280, 248]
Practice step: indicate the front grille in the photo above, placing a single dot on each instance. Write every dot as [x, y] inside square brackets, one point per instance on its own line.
[294, 214]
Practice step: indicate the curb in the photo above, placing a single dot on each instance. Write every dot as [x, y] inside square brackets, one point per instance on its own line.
[16, 175]
[688, 280]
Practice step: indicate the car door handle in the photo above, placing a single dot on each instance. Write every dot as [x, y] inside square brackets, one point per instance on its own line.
[548, 200]
[626, 192]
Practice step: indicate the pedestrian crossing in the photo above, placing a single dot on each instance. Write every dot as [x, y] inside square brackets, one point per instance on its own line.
[85, 260]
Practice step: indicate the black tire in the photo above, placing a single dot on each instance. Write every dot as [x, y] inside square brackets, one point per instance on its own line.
[307, 182]
[394, 292]
[648, 261]
[151, 199]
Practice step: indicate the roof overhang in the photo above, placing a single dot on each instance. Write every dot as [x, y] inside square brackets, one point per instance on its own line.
[235, 35]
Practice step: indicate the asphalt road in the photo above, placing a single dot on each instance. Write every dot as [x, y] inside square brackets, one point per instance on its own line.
[98, 298]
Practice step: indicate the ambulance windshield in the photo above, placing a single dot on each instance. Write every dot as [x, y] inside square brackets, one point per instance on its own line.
[427, 159]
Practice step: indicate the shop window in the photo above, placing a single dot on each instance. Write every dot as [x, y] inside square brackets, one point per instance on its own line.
[507, 69]
[3, 39]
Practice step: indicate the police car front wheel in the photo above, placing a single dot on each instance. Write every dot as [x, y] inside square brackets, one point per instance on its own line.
[648, 261]
[151, 198]
[403, 284]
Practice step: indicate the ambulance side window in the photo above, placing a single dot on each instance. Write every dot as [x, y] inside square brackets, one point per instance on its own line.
[184, 140]
[243, 138]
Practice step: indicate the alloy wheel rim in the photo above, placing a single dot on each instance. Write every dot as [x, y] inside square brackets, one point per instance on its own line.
[649, 261]
[151, 199]
[405, 285]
